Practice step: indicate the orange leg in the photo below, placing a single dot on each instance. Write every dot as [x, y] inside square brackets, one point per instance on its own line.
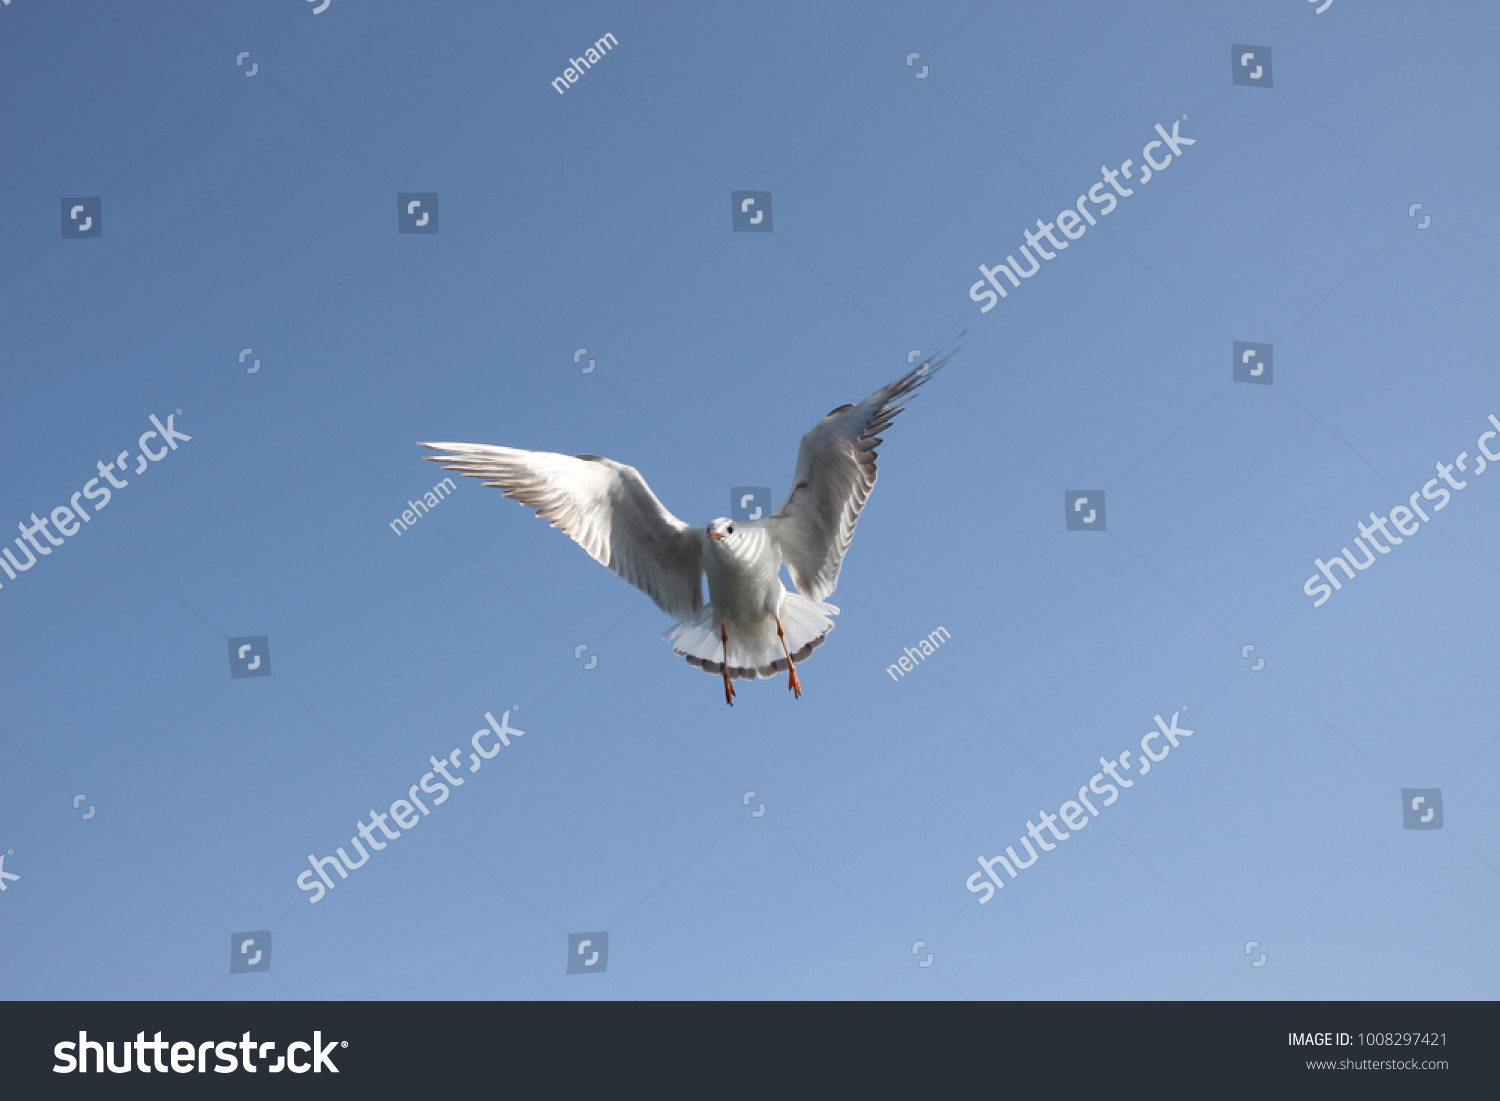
[728, 687]
[792, 682]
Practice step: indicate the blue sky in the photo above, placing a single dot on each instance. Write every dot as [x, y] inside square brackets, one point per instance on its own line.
[259, 212]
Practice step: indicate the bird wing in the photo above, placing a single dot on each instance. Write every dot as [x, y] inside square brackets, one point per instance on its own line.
[835, 473]
[606, 507]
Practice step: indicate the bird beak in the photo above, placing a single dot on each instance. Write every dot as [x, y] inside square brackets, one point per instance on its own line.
[715, 536]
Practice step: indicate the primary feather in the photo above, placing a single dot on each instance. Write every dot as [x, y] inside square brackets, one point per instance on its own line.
[835, 473]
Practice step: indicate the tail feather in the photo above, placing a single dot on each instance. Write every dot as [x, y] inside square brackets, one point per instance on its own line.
[754, 648]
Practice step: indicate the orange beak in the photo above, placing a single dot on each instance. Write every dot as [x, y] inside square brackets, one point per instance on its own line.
[715, 536]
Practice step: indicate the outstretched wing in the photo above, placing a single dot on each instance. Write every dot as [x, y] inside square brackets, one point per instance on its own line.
[835, 473]
[606, 507]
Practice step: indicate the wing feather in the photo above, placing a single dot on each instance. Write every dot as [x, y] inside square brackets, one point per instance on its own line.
[605, 506]
[835, 474]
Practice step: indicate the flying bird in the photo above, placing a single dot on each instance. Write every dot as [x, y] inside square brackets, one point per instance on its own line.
[752, 626]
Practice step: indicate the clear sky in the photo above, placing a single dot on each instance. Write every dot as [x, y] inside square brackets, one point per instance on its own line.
[585, 292]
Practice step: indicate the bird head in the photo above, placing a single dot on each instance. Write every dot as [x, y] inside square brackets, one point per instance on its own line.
[723, 531]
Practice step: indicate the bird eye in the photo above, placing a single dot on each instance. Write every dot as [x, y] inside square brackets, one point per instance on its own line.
[730, 529]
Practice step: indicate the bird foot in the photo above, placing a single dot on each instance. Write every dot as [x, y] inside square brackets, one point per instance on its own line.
[792, 682]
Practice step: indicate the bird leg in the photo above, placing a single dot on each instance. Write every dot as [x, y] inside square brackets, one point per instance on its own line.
[728, 687]
[792, 682]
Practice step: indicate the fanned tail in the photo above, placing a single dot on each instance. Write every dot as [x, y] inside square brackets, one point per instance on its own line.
[754, 648]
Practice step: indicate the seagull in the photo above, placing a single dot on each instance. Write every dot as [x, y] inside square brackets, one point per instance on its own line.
[752, 626]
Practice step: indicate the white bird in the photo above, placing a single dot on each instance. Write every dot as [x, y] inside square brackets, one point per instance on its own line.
[752, 626]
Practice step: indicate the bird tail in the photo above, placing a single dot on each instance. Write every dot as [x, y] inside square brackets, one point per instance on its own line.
[754, 648]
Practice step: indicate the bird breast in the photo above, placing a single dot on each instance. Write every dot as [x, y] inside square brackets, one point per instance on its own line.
[742, 576]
